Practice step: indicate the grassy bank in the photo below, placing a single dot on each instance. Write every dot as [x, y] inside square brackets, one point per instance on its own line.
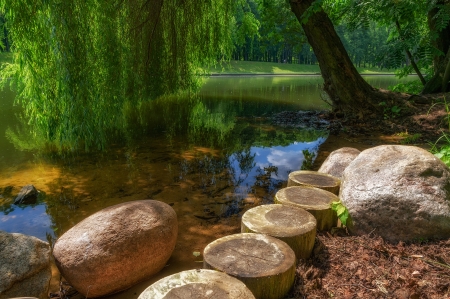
[254, 67]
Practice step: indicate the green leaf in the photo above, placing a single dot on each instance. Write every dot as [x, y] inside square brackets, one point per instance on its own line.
[341, 211]
[439, 155]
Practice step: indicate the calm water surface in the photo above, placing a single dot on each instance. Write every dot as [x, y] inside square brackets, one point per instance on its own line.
[211, 158]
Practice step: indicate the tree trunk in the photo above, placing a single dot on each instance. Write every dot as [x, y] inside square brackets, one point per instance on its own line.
[442, 43]
[290, 224]
[314, 200]
[266, 265]
[346, 89]
[435, 84]
[446, 77]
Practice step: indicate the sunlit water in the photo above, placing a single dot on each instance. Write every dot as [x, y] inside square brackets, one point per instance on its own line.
[210, 159]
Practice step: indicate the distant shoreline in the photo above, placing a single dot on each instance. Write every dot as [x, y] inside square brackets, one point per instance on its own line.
[289, 75]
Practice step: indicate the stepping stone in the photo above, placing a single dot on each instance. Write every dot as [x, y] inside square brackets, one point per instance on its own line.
[314, 179]
[314, 200]
[196, 284]
[290, 224]
[265, 264]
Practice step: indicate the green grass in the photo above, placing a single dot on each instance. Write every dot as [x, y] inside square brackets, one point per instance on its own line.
[254, 67]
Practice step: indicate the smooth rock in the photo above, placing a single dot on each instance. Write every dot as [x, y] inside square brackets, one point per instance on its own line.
[338, 160]
[25, 268]
[28, 195]
[117, 247]
[401, 192]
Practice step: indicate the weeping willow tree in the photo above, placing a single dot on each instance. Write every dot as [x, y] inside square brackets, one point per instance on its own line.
[77, 63]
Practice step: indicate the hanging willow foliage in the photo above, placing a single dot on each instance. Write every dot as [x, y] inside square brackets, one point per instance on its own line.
[76, 63]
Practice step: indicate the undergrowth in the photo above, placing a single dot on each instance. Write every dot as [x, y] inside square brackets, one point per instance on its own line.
[441, 148]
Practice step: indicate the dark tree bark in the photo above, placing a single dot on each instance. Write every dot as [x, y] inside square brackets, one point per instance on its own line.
[347, 90]
[442, 43]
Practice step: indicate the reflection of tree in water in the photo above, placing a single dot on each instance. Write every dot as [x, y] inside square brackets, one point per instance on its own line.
[308, 160]
[246, 162]
[265, 180]
[208, 172]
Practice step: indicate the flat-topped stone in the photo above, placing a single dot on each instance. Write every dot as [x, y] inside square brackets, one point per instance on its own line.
[314, 200]
[265, 264]
[314, 179]
[290, 224]
[199, 283]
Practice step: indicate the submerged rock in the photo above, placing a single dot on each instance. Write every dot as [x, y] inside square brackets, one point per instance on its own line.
[338, 160]
[28, 195]
[24, 266]
[301, 119]
[117, 247]
[401, 192]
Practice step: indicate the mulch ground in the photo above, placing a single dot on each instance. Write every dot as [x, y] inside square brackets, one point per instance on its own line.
[429, 121]
[350, 267]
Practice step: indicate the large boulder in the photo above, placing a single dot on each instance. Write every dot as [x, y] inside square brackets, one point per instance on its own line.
[117, 247]
[401, 192]
[338, 160]
[25, 268]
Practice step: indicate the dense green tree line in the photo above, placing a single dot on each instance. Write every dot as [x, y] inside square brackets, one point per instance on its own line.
[383, 34]
[268, 31]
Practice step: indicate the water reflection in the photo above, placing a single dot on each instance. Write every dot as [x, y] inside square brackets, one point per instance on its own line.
[29, 220]
[275, 161]
[281, 91]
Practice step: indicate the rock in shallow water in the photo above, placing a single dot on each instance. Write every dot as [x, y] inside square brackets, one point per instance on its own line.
[117, 247]
[28, 195]
[403, 192]
[24, 266]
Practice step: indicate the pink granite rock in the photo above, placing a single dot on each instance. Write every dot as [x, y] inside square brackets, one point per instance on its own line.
[117, 247]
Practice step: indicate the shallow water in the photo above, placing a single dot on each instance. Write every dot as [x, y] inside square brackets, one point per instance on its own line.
[211, 159]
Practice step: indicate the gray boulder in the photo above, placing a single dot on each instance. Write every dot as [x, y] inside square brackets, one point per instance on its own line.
[338, 160]
[401, 192]
[28, 195]
[117, 247]
[25, 269]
